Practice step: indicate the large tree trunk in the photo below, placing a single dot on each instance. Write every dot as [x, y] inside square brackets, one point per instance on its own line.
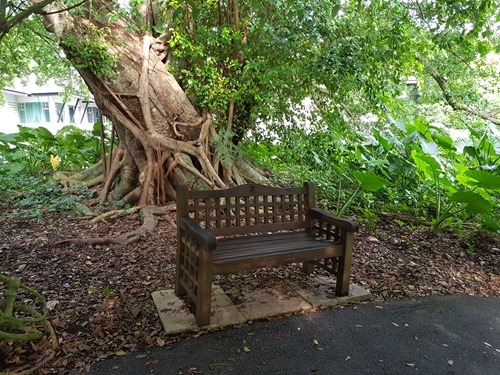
[163, 139]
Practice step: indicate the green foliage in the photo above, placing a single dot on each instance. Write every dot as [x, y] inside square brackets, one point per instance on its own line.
[349, 58]
[34, 196]
[415, 167]
[25, 168]
[224, 147]
[28, 49]
[90, 51]
[29, 150]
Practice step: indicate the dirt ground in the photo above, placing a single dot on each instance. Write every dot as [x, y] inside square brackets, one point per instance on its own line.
[99, 295]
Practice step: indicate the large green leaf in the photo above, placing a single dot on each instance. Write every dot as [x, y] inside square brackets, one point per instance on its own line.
[19, 154]
[384, 142]
[486, 180]
[445, 142]
[429, 147]
[8, 138]
[44, 133]
[370, 181]
[16, 167]
[476, 204]
[426, 163]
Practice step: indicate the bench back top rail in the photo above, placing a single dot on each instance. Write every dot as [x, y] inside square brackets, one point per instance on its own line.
[250, 208]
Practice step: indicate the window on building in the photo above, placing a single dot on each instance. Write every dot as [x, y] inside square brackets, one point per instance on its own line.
[21, 109]
[71, 109]
[33, 113]
[60, 112]
[93, 114]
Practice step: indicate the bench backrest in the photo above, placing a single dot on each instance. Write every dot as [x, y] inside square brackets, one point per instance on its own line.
[250, 208]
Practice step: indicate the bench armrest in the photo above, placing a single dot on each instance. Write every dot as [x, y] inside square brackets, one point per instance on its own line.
[203, 237]
[349, 225]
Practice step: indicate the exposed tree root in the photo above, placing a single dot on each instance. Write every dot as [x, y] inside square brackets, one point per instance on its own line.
[149, 224]
[114, 214]
[47, 356]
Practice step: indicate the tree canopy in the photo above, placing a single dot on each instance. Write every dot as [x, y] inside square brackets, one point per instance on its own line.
[184, 81]
[27, 48]
[261, 57]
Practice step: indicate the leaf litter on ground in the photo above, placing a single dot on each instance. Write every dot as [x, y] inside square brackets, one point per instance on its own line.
[103, 292]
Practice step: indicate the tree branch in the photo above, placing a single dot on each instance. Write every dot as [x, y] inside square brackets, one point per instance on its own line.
[457, 106]
[19, 17]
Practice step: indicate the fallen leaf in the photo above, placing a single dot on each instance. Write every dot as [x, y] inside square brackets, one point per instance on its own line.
[199, 333]
[246, 350]
[140, 356]
[52, 304]
[410, 364]
[395, 324]
[160, 341]
[115, 367]
[347, 359]
[136, 311]
[120, 352]
[487, 344]
[315, 342]
[358, 325]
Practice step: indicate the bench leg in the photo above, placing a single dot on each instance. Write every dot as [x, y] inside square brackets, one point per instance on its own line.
[179, 289]
[308, 267]
[203, 304]
[344, 266]
[204, 288]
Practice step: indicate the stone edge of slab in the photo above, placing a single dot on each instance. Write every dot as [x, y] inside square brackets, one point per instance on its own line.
[176, 317]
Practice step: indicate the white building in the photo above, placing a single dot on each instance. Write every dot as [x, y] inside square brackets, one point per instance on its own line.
[33, 105]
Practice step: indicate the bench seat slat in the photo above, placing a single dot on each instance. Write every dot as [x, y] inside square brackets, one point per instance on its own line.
[260, 238]
[234, 255]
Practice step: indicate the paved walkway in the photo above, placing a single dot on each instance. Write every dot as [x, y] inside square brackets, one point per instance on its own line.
[430, 335]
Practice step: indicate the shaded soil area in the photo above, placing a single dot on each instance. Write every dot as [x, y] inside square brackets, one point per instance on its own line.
[99, 295]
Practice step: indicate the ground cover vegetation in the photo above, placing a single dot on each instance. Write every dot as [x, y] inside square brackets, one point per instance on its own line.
[390, 107]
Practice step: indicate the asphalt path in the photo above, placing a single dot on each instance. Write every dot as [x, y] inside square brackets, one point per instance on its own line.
[439, 335]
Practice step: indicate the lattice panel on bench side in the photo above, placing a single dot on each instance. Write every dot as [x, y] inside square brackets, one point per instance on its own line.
[326, 230]
[189, 264]
[222, 212]
[332, 233]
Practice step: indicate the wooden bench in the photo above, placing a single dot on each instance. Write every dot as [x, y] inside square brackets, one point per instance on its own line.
[253, 226]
